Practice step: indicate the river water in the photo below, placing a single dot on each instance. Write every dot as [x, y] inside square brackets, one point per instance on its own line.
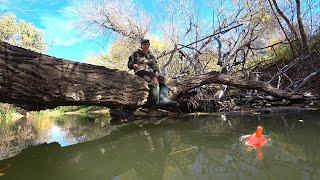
[199, 147]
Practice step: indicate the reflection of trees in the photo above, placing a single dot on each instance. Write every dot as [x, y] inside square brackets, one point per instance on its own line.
[15, 136]
[84, 127]
[181, 157]
[300, 144]
[209, 149]
[20, 134]
[294, 147]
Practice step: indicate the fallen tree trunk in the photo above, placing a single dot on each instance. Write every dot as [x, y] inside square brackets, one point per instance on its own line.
[35, 81]
[218, 78]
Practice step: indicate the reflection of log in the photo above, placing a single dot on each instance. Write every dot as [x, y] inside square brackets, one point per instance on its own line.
[123, 150]
[35, 81]
[218, 78]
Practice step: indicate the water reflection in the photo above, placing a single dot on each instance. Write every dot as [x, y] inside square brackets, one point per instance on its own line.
[200, 148]
[66, 130]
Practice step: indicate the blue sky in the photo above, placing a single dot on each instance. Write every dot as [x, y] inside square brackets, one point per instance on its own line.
[58, 25]
[61, 34]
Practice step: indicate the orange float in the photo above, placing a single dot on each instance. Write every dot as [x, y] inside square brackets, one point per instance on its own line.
[257, 140]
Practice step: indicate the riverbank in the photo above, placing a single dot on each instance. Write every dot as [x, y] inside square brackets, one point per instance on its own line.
[277, 69]
[12, 116]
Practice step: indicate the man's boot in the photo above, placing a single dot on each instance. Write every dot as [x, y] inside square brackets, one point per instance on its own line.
[153, 99]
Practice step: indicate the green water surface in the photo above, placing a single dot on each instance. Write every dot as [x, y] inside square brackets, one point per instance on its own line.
[88, 147]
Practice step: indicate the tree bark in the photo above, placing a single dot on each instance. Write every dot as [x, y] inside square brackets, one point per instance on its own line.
[35, 81]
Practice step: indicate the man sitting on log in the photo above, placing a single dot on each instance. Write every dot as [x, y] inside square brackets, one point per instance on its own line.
[144, 64]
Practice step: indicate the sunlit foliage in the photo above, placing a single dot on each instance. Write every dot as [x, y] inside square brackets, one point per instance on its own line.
[21, 33]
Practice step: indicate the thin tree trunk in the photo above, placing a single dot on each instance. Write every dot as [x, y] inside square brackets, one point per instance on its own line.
[283, 30]
[303, 34]
[285, 18]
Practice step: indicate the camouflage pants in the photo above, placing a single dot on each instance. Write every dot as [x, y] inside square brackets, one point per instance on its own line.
[149, 76]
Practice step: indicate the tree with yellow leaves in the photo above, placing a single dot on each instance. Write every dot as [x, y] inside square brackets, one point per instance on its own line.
[21, 33]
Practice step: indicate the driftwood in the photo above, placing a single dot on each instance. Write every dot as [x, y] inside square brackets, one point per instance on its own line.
[299, 84]
[218, 78]
[35, 81]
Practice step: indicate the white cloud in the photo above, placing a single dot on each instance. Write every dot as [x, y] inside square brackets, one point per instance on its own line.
[61, 30]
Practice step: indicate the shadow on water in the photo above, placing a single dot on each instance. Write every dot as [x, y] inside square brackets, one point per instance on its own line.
[193, 148]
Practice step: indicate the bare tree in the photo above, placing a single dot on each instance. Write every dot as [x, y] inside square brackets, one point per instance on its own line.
[285, 18]
[282, 28]
[178, 23]
[303, 34]
[119, 16]
[301, 38]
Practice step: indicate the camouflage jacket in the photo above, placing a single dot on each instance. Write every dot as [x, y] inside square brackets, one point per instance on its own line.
[146, 62]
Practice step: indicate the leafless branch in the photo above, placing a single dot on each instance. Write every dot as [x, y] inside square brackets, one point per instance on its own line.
[212, 35]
